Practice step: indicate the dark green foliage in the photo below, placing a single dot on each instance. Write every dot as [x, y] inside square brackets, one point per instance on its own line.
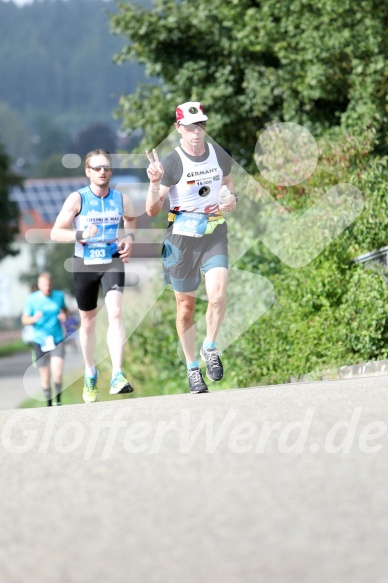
[250, 63]
[8, 209]
[54, 257]
[332, 312]
[96, 134]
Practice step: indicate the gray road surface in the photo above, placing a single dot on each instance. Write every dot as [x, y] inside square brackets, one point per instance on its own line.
[282, 484]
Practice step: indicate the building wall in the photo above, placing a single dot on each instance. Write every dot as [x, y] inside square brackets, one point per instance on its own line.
[13, 292]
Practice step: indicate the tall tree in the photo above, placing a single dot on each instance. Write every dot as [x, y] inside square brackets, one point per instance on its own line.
[251, 63]
[8, 209]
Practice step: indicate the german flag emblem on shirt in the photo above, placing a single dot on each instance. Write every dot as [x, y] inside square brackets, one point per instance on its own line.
[190, 182]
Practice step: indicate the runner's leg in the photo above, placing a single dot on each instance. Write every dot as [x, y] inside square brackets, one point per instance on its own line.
[116, 332]
[56, 364]
[185, 308]
[215, 282]
[87, 336]
[44, 374]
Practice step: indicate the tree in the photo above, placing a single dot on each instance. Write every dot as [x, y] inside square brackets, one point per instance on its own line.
[8, 208]
[51, 258]
[52, 167]
[15, 135]
[251, 63]
[50, 138]
[94, 137]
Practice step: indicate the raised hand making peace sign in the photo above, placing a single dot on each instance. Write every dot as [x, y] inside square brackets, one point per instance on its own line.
[155, 169]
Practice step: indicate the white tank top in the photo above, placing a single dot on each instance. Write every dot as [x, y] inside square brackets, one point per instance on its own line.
[200, 183]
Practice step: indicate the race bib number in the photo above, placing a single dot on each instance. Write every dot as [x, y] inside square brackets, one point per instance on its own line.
[97, 253]
[190, 224]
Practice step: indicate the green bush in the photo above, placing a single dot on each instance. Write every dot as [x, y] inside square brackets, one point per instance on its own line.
[332, 312]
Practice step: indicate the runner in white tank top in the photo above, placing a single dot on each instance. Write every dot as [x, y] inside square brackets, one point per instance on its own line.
[196, 237]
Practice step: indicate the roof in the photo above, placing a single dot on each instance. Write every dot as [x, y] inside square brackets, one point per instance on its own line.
[40, 200]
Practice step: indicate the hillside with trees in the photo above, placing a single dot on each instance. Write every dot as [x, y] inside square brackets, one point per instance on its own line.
[59, 83]
[57, 58]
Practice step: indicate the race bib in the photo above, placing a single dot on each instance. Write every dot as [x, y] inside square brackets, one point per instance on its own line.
[48, 344]
[190, 224]
[97, 253]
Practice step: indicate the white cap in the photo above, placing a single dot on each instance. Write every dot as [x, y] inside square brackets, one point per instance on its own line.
[190, 112]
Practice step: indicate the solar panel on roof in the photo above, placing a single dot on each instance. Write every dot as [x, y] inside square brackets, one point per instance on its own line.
[47, 196]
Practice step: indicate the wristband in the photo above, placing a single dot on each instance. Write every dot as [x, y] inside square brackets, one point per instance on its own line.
[79, 235]
[131, 235]
[235, 195]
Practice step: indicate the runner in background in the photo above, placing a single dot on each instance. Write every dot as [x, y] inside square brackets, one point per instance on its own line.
[45, 311]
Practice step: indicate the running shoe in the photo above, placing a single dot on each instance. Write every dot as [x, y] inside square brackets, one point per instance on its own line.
[196, 382]
[120, 385]
[90, 392]
[214, 368]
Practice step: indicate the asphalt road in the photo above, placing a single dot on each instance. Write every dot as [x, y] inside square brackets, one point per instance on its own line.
[282, 484]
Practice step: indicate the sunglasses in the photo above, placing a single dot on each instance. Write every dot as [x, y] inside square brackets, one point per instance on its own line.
[193, 126]
[99, 168]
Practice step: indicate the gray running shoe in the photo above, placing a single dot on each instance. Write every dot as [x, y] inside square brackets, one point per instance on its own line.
[196, 382]
[214, 368]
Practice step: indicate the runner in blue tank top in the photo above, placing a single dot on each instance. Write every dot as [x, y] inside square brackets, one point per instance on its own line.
[92, 219]
[196, 238]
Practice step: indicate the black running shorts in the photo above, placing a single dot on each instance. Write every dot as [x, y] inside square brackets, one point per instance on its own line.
[88, 278]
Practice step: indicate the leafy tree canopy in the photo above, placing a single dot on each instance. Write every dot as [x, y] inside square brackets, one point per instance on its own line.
[251, 63]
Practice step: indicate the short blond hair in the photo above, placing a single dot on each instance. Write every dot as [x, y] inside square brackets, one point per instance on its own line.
[45, 275]
[97, 153]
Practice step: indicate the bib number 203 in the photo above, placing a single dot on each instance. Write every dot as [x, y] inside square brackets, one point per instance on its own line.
[97, 253]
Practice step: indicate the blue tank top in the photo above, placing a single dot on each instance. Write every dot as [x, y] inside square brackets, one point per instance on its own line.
[105, 213]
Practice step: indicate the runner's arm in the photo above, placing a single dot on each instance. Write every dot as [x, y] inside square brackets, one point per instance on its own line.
[156, 192]
[231, 205]
[62, 231]
[155, 198]
[29, 320]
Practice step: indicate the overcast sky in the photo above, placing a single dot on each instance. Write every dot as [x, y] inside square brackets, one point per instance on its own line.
[19, 2]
